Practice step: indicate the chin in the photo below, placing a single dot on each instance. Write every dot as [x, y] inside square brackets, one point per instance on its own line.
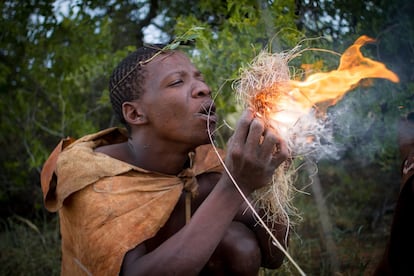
[206, 141]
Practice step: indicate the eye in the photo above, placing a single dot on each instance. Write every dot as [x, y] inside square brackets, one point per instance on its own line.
[175, 82]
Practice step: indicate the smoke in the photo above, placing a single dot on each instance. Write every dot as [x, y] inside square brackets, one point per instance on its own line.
[358, 128]
[313, 137]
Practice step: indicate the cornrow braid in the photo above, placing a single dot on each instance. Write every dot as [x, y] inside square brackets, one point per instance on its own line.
[127, 80]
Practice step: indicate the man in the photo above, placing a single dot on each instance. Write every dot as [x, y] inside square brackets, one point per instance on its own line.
[397, 259]
[155, 200]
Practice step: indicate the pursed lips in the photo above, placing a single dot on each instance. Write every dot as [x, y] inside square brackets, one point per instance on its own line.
[208, 112]
[210, 117]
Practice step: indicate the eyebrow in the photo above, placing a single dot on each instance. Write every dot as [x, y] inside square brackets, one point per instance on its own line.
[196, 73]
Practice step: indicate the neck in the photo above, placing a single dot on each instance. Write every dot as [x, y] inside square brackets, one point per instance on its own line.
[159, 158]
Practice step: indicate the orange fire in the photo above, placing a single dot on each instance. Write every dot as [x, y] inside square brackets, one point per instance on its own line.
[320, 88]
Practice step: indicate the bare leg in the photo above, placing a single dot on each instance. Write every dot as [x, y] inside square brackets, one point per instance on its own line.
[237, 254]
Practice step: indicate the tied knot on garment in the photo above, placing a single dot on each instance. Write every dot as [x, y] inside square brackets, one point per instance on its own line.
[189, 180]
[188, 177]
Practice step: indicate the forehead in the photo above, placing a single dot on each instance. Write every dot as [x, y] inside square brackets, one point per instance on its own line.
[167, 63]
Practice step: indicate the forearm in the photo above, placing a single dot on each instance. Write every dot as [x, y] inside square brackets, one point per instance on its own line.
[186, 252]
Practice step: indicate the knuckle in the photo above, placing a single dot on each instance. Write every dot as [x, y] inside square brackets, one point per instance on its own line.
[257, 124]
[244, 121]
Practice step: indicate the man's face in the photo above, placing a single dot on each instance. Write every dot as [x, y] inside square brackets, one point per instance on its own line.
[177, 100]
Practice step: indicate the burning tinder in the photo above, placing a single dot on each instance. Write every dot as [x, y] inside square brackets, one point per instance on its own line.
[296, 108]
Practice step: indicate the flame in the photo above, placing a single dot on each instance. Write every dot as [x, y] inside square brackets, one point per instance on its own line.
[320, 90]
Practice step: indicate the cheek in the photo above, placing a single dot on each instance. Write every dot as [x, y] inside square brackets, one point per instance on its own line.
[171, 114]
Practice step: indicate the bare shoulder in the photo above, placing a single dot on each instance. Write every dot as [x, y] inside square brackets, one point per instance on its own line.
[117, 151]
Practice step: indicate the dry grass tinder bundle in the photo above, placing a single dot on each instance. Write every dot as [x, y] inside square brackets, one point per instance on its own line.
[264, 86]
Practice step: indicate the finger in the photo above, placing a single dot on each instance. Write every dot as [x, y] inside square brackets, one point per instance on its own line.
[283, 147]
[255, 137]
[242, 129]
[280, 152]
[270, 143]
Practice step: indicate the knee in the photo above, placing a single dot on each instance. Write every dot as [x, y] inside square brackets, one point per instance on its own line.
[242, 250]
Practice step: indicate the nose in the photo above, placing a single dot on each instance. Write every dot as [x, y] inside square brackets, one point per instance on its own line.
[201, 89]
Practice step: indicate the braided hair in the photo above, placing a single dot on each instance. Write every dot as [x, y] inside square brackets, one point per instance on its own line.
[127, 80]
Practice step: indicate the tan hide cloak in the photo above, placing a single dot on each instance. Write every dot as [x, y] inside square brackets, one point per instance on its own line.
[106, 206]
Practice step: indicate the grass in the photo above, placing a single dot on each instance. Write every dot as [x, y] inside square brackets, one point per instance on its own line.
[357, 205]
[28, 248]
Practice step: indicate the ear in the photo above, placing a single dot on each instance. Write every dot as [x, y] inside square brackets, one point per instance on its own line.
[133, 113]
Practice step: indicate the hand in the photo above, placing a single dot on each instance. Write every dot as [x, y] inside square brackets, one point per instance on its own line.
[254, 152]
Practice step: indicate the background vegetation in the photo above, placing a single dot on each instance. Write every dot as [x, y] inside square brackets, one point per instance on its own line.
[55, 60]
